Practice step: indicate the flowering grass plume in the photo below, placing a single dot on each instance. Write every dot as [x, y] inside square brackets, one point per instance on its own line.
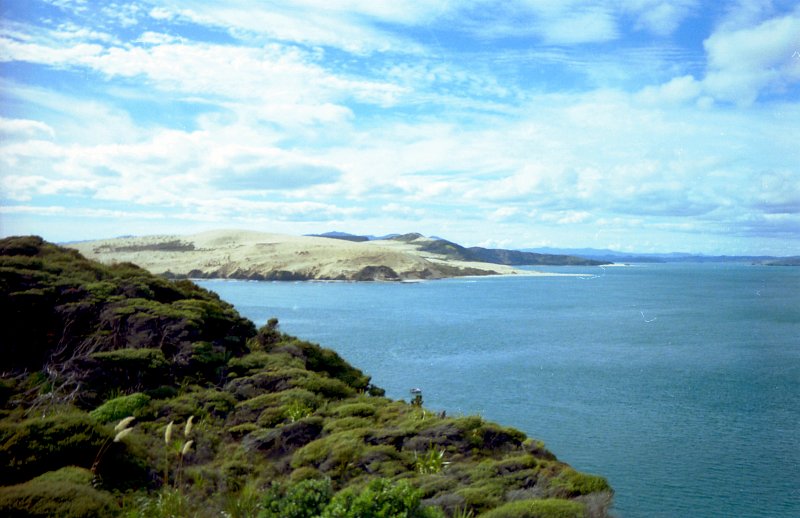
[124, 423]
[186, 447]
[168, 432]
[122, 433]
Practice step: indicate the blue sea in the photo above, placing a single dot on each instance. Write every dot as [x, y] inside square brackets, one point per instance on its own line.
[680, 383]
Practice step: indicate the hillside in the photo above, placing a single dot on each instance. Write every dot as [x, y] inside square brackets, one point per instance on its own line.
[454, 251]
[123, 393]
[260, 256]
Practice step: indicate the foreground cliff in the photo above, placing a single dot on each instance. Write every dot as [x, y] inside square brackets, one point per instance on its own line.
[123, 393]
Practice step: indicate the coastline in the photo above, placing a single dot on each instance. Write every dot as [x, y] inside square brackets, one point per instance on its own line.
[247, 255]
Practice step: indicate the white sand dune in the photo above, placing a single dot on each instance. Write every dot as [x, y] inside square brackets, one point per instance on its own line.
[254, 255]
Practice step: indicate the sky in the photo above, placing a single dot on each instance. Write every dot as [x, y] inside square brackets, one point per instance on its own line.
[639, 125]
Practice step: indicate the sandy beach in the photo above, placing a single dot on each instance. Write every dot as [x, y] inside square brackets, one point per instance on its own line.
[242, 254]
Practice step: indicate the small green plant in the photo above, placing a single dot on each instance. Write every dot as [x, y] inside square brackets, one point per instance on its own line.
[245, 503]
[463, 512]
[297, 410]
[431, 462]
[168, 503]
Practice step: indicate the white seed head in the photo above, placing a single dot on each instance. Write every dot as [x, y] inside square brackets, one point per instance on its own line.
[168, 432]
[124, 423]
[186, 447]
[121, 435]
[188, 429]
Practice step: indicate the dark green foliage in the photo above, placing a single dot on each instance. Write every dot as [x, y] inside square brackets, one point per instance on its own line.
[305, 499]
[574, 483]
[37, 445]
[61, 308]
[124, 369]
[548, 508]
[382, 498]
[120, 407]
[319, 359]
[65, 493]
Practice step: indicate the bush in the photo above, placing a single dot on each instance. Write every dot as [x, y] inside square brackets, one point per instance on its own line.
[482, 497]
[120, 407]
[66, 493]
[549, 508]
[355, 410]
[36, 446]
[306, 499]
[382, 498]
[574, 483]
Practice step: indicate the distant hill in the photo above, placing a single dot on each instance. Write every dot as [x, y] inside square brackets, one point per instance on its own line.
[493, 255]
[785, 261]
[673, 257]
[343, 236]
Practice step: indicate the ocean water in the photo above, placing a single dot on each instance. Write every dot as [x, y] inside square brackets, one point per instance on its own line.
[680, 383]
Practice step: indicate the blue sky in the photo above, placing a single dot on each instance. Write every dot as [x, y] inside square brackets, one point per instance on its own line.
[646, 125]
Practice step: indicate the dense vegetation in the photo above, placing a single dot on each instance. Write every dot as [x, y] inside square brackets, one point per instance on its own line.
[127, 394]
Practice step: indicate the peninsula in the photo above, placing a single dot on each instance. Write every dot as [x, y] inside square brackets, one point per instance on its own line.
[238, 254]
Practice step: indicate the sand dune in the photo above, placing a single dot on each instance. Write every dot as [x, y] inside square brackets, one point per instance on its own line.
[238, 254]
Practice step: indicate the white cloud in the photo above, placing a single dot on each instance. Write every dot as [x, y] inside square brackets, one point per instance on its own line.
[677, 90]
[351, 26]
[24, 128]
[746, 62]
[583, 25]
[376, 130]
[660, 17]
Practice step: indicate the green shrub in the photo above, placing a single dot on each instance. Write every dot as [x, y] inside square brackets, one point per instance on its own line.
[65, 493]
[198, 402]
[330, 388]
[320, 359]
[240, 430]
[120, 407]
[134, 359]
[548, 508]
[574, 483]
[258, 360]
[68, 474]
[334, 454]
[305, 499]
[305, 473]
[347, 423]
[482, 497]
[355, 410]
[168, 502]
[36, 445]
[382, 498]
